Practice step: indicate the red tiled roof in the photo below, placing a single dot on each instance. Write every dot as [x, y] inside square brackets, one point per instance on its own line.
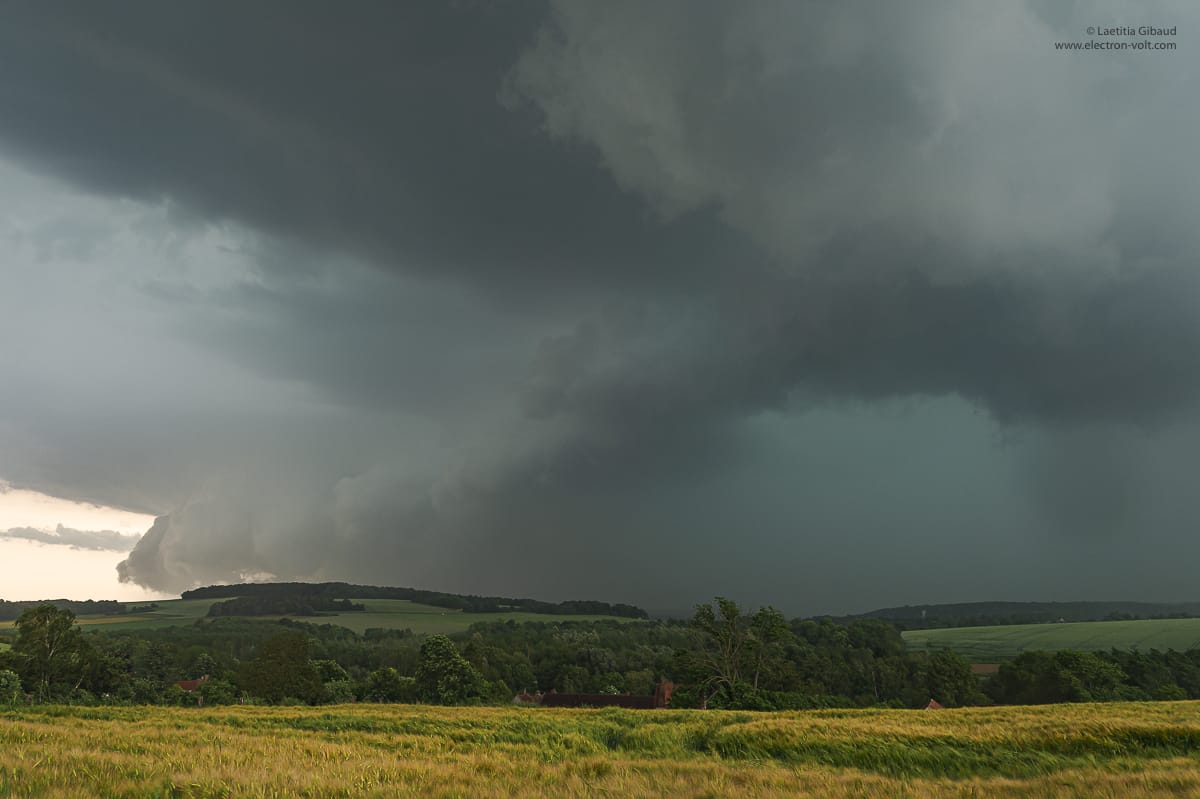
[192, 685]
[660, 698]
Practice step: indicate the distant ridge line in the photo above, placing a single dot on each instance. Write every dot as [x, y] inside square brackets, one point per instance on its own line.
[469, 603]
[986, 614]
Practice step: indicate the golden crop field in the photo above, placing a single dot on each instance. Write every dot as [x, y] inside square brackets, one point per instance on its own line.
[1120, 750]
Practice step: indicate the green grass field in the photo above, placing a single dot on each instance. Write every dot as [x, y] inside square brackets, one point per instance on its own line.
[397, 614]
[402, 613]
[989, 644]
[1111, 750]
[169, 612]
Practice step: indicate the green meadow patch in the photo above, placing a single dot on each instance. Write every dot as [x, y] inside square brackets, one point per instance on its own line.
[989, 644]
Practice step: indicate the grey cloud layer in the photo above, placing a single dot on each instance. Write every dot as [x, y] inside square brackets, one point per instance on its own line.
[513, 281]
[99, 540]
[376, 132]
[799, 122]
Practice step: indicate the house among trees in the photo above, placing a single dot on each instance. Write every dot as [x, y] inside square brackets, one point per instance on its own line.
[193, 687]
[935, 705]
[660, 699]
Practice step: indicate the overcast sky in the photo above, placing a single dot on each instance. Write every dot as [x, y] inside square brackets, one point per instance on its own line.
[825, 305]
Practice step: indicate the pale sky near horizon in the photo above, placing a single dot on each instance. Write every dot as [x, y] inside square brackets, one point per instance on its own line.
[34, 570]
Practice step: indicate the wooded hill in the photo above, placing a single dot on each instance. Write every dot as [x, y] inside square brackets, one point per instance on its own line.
[283, 605]
[317, 595]
[986, 614]
[104, 607]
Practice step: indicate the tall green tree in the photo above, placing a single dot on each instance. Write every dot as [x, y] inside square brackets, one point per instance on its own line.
[949, 680]
[444, 676]
[725, 637]
[1034, 678]
[736, 651]
[10, 687]
[282, 670]
[768, 633]
[49, 649]
[387, 685]
[204, 665]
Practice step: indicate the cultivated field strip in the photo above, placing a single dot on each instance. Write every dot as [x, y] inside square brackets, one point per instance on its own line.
[1137, 750]
[987, 644]
[387, 614]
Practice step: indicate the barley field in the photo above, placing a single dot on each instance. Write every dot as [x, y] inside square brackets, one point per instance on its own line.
[1118, 750]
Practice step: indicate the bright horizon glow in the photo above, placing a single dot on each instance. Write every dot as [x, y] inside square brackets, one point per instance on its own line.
[32, 571]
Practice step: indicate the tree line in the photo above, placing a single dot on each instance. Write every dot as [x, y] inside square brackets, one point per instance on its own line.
[723, 657]
[103, 607]
[989, 614]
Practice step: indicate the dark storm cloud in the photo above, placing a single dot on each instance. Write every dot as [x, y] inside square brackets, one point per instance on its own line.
[376, 132]
[1115, 350]
[534, 271]
[381, 132]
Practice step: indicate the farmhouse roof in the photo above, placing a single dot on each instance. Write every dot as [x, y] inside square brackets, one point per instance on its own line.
[660, 698]
[192, 685]
[935, 705]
